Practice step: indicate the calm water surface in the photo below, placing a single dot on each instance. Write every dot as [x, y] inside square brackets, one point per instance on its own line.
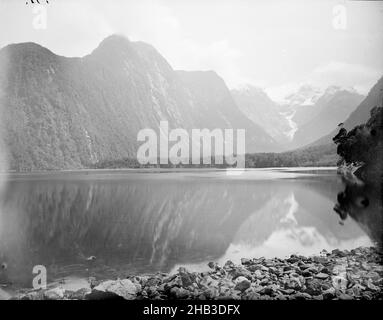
[140, 222]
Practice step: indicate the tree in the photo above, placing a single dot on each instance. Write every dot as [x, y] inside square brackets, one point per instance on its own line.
[363, 145]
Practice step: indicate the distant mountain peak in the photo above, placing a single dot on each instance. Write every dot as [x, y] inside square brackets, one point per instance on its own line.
[360, 115]
[335, 88]
[119, 51]
[111, 45]
[250, 90]
[114, 39]
[308, 95]
[26, 48]
[305, 95]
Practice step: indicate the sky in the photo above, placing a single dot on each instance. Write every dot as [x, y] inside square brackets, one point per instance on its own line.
[275, 45]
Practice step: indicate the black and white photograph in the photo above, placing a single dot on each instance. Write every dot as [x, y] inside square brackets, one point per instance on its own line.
[191, 152]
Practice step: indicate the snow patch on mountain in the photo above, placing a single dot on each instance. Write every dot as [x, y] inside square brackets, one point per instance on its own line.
[289, 115]
[306, 95]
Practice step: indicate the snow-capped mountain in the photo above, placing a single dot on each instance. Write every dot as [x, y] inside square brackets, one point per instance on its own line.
[359, 116]
[306, 95]
[303, 117]
[335, 105]
[260, 109]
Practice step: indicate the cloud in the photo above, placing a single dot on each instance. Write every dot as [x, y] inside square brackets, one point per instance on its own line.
[279, 93]
[273, 45]
[79, 27]
[343, 74]
[219, 56]
[346, 74]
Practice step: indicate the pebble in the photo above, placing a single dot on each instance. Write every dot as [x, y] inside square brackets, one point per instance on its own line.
[242, 284]
[343, 275]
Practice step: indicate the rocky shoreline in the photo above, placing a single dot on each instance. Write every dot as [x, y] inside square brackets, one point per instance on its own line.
[346, 275]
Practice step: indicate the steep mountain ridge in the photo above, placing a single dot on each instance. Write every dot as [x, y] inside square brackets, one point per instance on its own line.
[216, 108]
[67, 113]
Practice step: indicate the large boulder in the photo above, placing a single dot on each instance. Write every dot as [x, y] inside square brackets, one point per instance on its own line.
[114, 289]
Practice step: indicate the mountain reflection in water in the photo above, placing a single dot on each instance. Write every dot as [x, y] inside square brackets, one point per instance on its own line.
[139, 223]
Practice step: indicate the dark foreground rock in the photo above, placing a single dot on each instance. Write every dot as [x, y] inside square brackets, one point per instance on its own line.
[355, 274]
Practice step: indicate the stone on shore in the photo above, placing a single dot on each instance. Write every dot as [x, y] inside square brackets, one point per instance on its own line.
[242, 284]
[343, 275]
[120, 288]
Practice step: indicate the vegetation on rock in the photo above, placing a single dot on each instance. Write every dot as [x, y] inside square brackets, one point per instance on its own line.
[363, 146]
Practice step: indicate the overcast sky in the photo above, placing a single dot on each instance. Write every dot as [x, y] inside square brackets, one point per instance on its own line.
[276, 45]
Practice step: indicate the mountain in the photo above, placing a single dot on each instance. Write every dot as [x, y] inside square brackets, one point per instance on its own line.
[329, 110]
[300, 106]
[214, 107]
[360, 115]
[322, 152]
[306, 95]
[67, 113]
[302, 117]
[264, 112]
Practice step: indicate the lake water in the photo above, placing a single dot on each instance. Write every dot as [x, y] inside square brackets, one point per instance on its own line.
[142, 222]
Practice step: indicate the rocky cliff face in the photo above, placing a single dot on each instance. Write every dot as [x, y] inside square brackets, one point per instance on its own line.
[65, 113]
